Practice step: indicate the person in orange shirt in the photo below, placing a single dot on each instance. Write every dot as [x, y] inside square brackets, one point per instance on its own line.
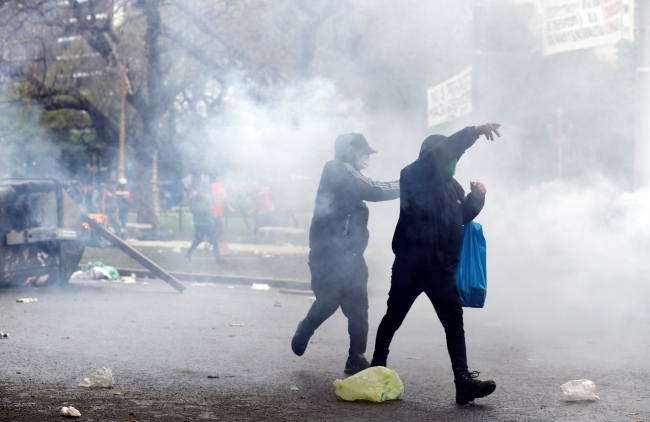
[220, 203]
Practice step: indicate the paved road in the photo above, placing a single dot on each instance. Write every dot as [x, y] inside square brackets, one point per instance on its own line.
[162, 345]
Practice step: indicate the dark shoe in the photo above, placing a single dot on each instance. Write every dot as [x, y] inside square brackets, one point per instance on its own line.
[469, 388]
[356, 364]
[378, 363]
[300, 339]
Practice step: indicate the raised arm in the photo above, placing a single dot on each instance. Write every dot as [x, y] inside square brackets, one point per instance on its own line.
[452, 147]
[369, 190]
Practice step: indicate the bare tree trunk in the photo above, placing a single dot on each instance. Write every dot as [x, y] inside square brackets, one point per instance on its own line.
[146, 212]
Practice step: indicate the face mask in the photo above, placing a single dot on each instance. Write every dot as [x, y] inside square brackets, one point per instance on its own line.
[451, 168]
[363, 162]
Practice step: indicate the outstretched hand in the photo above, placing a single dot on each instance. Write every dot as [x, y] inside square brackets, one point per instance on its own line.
[478, 189]
[487, 129]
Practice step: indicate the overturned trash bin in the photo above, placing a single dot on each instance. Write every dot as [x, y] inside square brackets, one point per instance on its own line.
[43, 239]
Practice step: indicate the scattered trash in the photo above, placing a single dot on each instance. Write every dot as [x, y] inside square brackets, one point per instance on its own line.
[96, 271]
[494, 324]
[257, 286]
[3, 335]
[376, 384]
[70, 412]
[296, 292]
[127, 280]
[145, 283]
[197, 284]
[176, 250]
[236, 325]
[102, 377]
[117, 393]
[213, 377]
[579, 390]
[27, 300]
[634, 413]
[231, 287]
[294, 388]
[278, 304]
[529, 359]
[639, 399]
[311, 299]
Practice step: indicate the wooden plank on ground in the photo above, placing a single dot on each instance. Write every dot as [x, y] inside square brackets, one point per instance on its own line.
[134, 253]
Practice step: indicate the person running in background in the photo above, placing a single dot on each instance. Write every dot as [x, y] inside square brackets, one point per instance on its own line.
[201, 206]
[263, 208]
[220, 203]
[124, 200]
[426, 243]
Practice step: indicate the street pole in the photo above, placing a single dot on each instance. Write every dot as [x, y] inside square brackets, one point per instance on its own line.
[155, 190]
[120, 165]
[642, 120]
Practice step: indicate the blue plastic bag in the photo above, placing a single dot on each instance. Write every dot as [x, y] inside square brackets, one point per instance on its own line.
[471, 274]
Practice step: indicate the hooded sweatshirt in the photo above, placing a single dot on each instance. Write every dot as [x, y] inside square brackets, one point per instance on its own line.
[340, 222]
[433, 205]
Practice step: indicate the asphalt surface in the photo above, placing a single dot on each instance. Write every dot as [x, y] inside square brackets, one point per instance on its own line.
[162, 346]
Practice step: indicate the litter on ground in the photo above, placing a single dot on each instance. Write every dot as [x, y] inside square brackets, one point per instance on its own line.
[236, 325]
[294, 388]
[579, 390]
[102, 377]
[27, 300]
[197, 284]
[376, 384]
[70, 412]
[260, 286]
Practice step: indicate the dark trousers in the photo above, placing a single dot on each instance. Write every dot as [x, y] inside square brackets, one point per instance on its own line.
[408, 282]
[208, 231]
[124, 215]
[340, 279]
[218, 226]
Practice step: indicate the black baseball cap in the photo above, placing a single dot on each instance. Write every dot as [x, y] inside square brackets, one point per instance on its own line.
[358, 143]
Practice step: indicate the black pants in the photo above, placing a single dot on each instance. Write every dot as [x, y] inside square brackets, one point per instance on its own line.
[408, 282]
[124, 215]
[340, 279]
[218, 226]
[208, 231]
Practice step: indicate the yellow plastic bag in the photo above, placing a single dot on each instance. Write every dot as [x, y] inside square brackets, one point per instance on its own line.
[376, 384]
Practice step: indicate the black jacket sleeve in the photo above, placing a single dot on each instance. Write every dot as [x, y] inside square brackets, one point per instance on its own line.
[472, 206]
[449, 149]
[369, 190]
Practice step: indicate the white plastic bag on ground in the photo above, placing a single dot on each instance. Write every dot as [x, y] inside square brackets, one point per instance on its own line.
[102, 377]
[579, 390]
[70, 412]
[259, 286]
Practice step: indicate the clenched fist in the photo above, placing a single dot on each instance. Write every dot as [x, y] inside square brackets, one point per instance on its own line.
[478, 189]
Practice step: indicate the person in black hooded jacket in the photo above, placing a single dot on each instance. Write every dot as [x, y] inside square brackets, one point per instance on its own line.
[433, 210]
[338, 238]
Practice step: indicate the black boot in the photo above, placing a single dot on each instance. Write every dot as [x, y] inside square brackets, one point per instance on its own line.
[355, 364]
[301, 339]
[469, 388]
[375, 362]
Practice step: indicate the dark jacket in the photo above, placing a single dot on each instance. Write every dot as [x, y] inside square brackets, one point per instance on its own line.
[341, 216]
[433, 205]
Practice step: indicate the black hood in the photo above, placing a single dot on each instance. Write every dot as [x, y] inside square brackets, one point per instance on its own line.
[347, 145]
[431, 142]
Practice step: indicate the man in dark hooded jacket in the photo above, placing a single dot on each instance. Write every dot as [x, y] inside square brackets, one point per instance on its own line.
[433, 210]
[338, 238]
